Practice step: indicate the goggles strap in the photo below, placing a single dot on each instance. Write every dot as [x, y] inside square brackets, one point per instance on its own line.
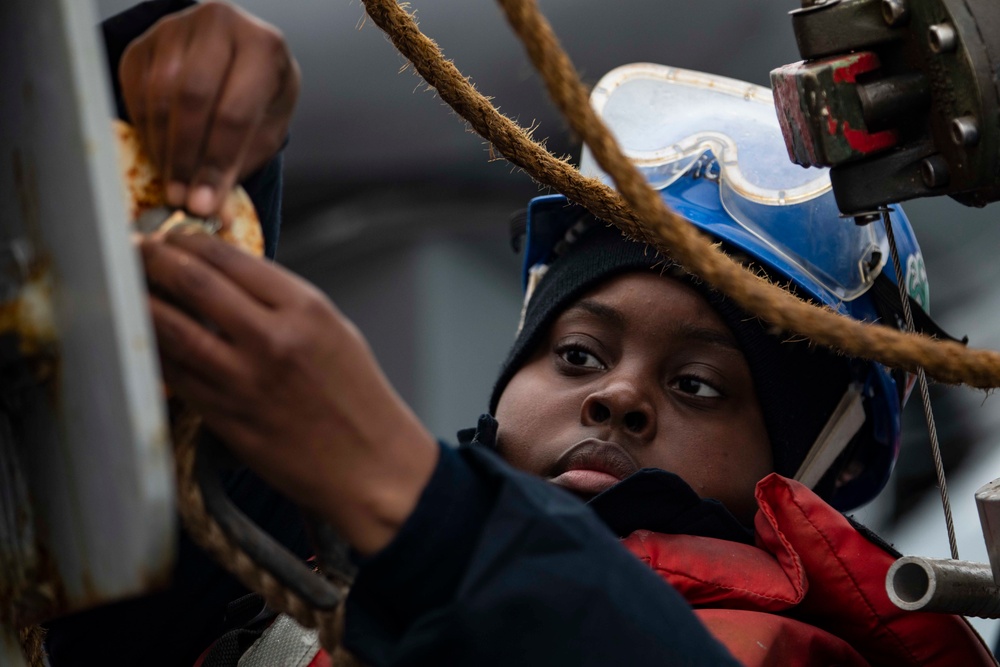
[843, 424]
[535, 275]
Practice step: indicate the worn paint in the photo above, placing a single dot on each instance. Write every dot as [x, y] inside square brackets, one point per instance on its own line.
[821, 115]
[869, 142]
[852, 66]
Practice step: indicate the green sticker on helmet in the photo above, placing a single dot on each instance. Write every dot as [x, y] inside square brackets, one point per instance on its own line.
[916, 281]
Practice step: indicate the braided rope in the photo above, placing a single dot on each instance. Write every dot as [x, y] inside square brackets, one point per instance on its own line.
[32, 639]
[207, 533]
[640, 212]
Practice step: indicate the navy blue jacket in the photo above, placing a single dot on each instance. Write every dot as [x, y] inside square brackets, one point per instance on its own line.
[497, 567]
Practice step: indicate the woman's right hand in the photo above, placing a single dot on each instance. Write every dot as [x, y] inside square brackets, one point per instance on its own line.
[289, 384]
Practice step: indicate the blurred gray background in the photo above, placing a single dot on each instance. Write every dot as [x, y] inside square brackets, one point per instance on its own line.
[401, 215]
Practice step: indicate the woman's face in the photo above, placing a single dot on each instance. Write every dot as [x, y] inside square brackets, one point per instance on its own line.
[639, 373]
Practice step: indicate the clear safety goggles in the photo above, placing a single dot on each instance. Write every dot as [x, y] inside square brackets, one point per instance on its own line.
[671, 122]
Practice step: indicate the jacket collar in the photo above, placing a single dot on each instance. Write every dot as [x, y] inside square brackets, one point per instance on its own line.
[651, 499]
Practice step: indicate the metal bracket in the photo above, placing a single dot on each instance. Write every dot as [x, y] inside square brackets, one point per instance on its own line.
[935, 86]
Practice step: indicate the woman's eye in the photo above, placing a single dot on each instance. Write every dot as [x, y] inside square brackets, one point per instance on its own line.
[576, 356]
[696, 387]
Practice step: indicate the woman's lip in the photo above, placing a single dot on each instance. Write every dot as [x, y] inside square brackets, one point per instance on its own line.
[585, 482]
[607, 459]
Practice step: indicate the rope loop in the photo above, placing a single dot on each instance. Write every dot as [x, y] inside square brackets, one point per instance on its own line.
[207, 533]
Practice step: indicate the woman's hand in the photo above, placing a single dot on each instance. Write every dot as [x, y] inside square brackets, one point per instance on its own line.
[289, 384]
[211, 91]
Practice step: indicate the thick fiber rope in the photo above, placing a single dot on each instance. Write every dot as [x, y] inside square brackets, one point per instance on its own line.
[32, 640]
[204, 530]
[640, 212]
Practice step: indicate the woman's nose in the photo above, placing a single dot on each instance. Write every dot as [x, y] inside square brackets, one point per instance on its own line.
[622, 404]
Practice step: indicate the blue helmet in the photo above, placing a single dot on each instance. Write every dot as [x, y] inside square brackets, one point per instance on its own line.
[713, 149]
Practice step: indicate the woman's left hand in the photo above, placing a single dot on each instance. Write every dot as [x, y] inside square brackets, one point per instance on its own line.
[211, 91]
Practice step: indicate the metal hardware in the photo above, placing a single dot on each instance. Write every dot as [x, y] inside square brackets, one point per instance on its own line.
[895, 12]
[908, 101]
[942, 38]
[163, 218]
[814, 5]
[863, 218]
[886, 100]
[934, 171]
[965, 131]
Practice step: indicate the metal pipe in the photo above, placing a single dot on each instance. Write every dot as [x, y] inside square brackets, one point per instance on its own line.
[945, 586]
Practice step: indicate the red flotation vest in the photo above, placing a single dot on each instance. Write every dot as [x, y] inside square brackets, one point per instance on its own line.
[812, 592]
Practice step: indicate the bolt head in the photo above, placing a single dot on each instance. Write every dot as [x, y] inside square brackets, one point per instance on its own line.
[895, 12]
[942, 38]
[934, 172]
[965, 131]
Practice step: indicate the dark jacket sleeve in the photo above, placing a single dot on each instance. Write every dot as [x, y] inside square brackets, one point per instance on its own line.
[499, 568]
[173, 626]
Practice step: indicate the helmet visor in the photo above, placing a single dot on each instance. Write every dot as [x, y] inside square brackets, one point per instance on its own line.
[671, 122]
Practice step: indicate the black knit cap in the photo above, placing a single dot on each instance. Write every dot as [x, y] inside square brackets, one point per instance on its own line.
[797, 385]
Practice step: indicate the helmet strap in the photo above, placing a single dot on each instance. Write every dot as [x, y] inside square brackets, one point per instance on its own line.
[843, 424]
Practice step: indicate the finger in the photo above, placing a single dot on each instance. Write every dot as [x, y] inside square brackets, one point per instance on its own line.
[230, 420]
[162, 79]
[132, 73]
[200, 392]
[241, 108]
[270, 284]
[207, 62]
[203, 291]
[185, 344]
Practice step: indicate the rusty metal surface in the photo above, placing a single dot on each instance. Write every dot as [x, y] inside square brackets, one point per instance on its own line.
[86, 506]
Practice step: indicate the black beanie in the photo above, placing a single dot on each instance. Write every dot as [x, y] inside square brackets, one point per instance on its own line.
[797, 385]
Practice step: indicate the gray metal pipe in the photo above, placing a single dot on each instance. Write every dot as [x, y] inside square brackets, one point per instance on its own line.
[942, 585]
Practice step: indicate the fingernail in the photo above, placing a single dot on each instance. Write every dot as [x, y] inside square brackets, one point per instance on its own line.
[202, 200]
[176, 193]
